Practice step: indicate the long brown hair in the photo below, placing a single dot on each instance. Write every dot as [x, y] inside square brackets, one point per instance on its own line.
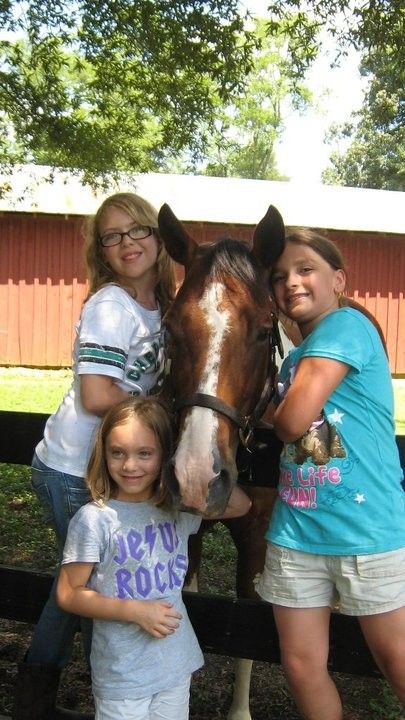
[150, 412]
[142, 212]
[330, 252]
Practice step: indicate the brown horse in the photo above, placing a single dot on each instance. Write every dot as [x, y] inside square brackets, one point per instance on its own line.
[221, 341]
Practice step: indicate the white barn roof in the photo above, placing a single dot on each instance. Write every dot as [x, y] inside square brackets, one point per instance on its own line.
[216, 200]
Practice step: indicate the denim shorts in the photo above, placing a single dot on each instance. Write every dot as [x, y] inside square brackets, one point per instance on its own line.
[356, 584]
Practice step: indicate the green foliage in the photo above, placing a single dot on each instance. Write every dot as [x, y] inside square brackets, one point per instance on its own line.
[242, 143]
[386, 706]
[370, 27]
[25, 541]
[375, 156]
[107, 85]
[218, 571]
[399, 397]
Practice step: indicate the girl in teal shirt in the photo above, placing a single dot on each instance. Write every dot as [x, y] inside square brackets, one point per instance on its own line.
[337, 534]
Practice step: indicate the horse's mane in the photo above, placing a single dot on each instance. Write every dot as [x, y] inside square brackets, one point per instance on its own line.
[229, 257]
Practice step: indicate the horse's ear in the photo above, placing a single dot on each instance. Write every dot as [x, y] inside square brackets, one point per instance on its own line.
[178, 243]
[269, 237]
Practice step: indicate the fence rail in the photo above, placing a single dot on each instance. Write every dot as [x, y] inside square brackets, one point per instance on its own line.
[224, 626]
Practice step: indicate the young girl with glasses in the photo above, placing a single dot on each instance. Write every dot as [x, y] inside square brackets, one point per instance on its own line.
[118, 352]
[124, 565]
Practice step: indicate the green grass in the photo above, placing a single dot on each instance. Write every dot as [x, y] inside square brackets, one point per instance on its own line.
[25, 540]
[31, 390]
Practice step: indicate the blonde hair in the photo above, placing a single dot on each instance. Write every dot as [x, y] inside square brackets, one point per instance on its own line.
[150, 412]
[142, 212]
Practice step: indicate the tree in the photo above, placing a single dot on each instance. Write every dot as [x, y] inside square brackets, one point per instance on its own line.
[366, 26]
[104, 85]
[246, 130]
[375, 157]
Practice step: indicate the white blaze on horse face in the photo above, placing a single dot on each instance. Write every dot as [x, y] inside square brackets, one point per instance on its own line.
[194, 458]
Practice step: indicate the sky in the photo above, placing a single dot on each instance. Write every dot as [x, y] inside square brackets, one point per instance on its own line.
[301, 153]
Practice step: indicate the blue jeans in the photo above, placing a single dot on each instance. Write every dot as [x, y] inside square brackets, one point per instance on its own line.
[60, 495]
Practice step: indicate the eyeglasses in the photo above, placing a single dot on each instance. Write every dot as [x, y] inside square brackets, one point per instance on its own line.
[138, 232]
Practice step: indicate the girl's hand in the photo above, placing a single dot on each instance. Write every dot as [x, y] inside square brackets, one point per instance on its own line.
[157, 617]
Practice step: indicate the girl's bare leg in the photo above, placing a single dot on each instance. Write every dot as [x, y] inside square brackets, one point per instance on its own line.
[304, 645]
[385, 636]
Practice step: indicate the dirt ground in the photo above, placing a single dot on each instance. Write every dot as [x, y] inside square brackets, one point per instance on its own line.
[364, 698]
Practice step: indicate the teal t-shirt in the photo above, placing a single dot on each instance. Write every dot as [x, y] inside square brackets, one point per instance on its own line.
[340, 484]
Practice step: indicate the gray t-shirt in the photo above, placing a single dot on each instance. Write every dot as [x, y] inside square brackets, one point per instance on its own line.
[140, 552]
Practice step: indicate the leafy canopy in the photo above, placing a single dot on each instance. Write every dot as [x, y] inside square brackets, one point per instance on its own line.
[104, 85]
[247, 129]
[366, 26]
[375, 157]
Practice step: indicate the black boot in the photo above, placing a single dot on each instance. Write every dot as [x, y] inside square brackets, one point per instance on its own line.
[35, 694]
[59, 713]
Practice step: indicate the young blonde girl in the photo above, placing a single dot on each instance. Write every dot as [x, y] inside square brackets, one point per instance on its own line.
[118, 352]
[337, 532]
[124, 565]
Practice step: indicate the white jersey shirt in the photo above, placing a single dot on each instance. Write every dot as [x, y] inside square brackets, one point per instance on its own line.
[115, 336]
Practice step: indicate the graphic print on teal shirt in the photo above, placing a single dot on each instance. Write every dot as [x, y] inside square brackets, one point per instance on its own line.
[320, 443]
[304, 461]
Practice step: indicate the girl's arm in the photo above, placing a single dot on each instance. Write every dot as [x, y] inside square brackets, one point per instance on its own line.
[99, 392]
[157, 617]
[315, 380]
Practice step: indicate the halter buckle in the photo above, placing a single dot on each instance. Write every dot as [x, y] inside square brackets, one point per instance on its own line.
[245, 435]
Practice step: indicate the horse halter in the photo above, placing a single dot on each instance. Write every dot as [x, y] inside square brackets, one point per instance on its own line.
[245, 423]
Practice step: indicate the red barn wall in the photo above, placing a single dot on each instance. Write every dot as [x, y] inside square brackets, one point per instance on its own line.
[43, 283]
[42, 288]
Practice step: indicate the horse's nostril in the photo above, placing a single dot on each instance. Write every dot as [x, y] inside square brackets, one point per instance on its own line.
[218, 492]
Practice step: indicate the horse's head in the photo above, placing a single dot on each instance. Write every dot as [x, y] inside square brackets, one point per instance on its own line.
[219, 333]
